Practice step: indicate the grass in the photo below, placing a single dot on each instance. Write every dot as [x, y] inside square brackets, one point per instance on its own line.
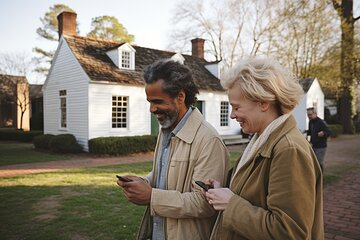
[73, 204]
[15, 152]
[80, 203]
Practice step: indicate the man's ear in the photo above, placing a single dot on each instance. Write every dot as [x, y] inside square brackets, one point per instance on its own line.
[181, 96]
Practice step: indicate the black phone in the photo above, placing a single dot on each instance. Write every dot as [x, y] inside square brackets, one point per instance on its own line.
[124, 179]
[203, 185]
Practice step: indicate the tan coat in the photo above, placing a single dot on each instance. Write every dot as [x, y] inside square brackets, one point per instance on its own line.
[196, 153]
[278, 193]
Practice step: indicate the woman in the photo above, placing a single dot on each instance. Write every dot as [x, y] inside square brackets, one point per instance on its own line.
[276, 186]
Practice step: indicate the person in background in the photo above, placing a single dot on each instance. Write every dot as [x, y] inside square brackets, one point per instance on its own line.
[275, 190]
[188, 149]
[319, 133]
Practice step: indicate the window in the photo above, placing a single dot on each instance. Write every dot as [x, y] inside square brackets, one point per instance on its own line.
[119, 111]
[62, 94]
[315, 104]
[125, 59]
[224, 113]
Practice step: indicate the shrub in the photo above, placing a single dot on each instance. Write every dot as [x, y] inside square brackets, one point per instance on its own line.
[336, 129]
[43, 141]
[11, 134]
[122, 145]
[64, 143]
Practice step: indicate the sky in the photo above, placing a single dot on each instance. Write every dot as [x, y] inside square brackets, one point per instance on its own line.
[148, 20]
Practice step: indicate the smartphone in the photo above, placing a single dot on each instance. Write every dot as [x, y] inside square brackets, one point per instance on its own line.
[124, 179]
[203, 185]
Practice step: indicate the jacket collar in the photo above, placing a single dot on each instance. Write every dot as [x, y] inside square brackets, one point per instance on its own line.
[188, 131]
[276, 135]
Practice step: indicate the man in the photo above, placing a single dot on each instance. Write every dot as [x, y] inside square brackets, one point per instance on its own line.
[188, 149]
[318, 132]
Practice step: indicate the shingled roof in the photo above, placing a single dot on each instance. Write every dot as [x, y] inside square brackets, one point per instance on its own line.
[306, 83]
[91, 54]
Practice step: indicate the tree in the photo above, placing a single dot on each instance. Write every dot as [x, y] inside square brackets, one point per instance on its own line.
[108, 27]
[15, 89]
[296, 32]
[48, 31]
[344, 8]
[303, 35]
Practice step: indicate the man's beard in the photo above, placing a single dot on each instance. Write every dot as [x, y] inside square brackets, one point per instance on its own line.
[169, 118]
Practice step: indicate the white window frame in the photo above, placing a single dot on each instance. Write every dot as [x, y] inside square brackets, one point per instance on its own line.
[126, 59]
[119, 112]
[63, 109]
[224, 114]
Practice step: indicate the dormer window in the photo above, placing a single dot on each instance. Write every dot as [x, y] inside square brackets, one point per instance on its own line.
[123, 57]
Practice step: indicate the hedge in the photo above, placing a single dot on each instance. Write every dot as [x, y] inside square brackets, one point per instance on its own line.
[62, 143]
[122, 145]
[336, 129]
[43, 141]
[11, 134]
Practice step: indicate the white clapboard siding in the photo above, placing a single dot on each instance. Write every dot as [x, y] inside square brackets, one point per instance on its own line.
[100, 110]
[66, 74]
[314, 96]
[211, 112]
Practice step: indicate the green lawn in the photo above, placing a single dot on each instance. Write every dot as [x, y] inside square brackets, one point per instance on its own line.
[15, 152]
[73, 204]
[81, 203]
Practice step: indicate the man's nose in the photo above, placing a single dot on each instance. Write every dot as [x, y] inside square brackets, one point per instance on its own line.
[153, 108]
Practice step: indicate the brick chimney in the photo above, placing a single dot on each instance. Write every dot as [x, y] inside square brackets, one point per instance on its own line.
[67, 23]
[197, 47]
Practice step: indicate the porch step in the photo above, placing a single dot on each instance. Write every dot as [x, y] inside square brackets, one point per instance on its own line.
[234, 140]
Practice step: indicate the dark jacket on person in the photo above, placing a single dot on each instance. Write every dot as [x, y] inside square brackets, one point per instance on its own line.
[315, 126]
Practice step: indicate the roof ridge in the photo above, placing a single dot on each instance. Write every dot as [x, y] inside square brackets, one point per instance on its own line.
[93, 39]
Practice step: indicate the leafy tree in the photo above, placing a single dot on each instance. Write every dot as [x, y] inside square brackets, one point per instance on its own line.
[344, 9]
[48, 31]
[304, 34]
[108, 27]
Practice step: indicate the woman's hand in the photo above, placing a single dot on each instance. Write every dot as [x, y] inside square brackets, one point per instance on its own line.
[219, 197]
[213, 183]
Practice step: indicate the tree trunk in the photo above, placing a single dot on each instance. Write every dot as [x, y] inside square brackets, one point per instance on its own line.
[345, 11]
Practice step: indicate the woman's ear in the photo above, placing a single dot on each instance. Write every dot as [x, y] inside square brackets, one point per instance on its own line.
[264, 106]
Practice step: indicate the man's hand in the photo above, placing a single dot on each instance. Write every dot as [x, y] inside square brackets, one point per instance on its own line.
[321, 134]
[138, 191]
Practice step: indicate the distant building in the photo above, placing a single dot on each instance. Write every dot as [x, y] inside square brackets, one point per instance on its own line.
[14, 102]
[95, 89]
[36, 107]
[313, 97]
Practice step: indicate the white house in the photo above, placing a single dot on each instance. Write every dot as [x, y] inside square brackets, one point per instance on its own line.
[313, 97]
[95, 89]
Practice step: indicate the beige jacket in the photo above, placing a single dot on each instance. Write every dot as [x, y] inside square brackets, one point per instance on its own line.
[196, 153]
[278, 193]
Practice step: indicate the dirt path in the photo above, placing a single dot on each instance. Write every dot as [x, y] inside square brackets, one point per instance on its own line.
[27, 168]
[341, 150]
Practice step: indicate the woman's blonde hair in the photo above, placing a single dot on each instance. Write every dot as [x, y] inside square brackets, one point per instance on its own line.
[265, 80]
